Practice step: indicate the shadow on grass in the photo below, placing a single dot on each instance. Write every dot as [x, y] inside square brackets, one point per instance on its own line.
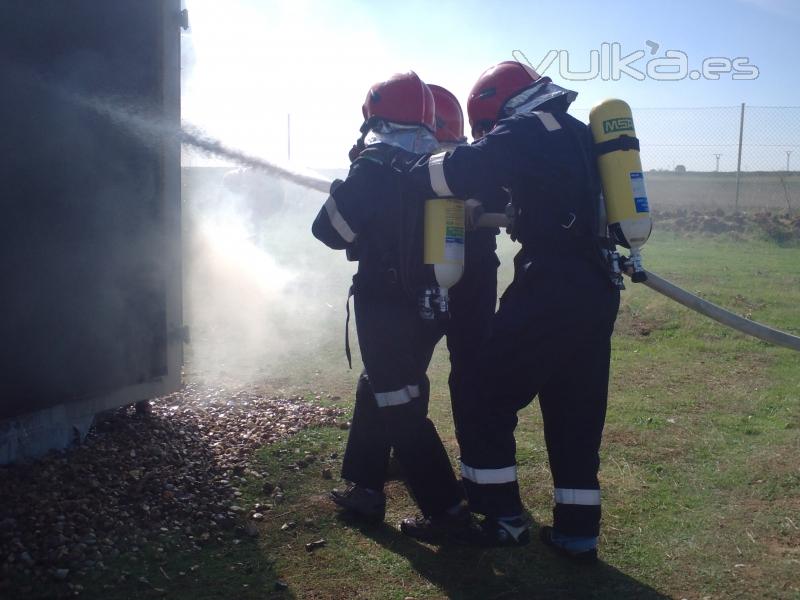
[464, 572]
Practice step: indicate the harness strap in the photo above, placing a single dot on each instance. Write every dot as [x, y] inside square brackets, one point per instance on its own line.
[623, 142]
[347, 329]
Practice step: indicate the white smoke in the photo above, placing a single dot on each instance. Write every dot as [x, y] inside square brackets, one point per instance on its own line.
[261, 295]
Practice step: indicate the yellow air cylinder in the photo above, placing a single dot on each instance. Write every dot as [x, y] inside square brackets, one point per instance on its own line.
[444, 240]
[620, 166]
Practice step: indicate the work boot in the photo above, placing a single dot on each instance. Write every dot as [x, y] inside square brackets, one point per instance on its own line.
[447, 525]
[502, 532]
[362, 502]
[587, 557]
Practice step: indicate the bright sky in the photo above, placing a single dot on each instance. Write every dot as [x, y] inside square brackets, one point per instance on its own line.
[251, 62]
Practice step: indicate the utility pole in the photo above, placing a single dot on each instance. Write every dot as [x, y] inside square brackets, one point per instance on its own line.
[717, 156]
[739, 162]
[788, 158]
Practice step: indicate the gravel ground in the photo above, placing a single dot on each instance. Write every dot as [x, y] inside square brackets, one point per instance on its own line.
[168, 477]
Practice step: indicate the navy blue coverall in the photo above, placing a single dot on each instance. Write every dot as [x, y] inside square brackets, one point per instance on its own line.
[371, 215]
[551, 335]
[472, 305]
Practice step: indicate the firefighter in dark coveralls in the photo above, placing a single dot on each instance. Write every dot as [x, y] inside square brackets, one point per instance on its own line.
[373, 218]
[472, 305]
[551, 335]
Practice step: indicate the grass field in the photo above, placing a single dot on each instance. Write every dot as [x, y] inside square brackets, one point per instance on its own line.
[700, 468]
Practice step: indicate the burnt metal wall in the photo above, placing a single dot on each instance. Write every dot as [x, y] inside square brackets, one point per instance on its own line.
[82, 230]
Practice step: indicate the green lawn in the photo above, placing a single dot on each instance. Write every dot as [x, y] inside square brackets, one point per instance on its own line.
[700, 468]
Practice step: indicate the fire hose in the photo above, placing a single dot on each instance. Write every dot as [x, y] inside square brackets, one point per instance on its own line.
[719, 314]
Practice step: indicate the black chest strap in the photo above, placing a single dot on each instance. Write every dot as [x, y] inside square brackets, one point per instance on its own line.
[623, 142]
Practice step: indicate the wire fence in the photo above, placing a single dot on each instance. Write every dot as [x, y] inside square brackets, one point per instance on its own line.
[731, 157]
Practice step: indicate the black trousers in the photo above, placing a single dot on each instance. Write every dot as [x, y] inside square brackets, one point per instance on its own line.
[472, 307]
[392, 403]
[473, 302]
[551, 338]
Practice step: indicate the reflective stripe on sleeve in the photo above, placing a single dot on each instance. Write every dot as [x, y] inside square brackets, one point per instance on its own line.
[548, 120]
[581, 497]
[397, 397]
[436, 171]
[337, 220]
[483, 476]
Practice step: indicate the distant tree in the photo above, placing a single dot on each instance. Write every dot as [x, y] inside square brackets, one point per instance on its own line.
[680, 168]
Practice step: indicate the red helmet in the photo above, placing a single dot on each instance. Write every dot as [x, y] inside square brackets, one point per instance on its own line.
[403, 98]
[449, 117]
[493, 89]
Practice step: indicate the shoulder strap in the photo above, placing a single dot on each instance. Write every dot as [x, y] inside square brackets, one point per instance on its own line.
[376, 155]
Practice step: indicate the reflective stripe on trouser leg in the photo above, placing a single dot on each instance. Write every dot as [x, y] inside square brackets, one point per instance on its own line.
[489, 476]
[397, 397]
[578, 497]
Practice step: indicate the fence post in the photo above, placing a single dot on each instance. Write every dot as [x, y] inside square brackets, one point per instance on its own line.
[739, 162]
